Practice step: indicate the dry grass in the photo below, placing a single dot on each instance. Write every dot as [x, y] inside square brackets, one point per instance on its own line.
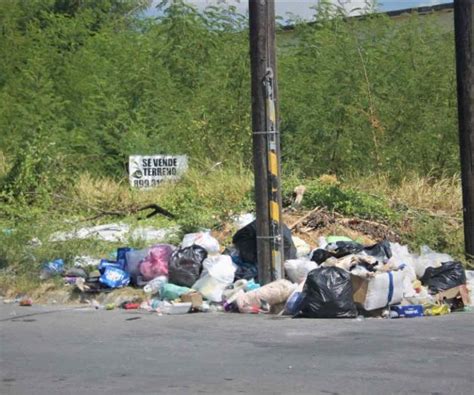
[107, 194]
[216, 191]
[441, 196]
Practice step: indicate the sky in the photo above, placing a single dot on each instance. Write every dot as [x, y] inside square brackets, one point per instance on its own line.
[302, 8]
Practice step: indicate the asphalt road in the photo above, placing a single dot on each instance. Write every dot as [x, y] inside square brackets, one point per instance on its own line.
[44, 350]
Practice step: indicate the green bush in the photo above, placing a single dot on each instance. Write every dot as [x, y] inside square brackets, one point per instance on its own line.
[347, 201]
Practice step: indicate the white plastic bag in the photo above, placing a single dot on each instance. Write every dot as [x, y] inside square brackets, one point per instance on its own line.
[302, 248]
[384, 289]
[202, 239]
[217, 274]
[297, 269]
[242, 220]
[470, 284]
[429, 258]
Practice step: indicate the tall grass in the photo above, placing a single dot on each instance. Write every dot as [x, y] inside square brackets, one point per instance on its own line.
[442, 195]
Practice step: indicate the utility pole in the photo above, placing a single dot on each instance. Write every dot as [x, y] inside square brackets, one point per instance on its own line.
[266, 140]
[463, 16]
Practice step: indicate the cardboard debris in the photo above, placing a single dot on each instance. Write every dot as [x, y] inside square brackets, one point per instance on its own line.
[195, 298]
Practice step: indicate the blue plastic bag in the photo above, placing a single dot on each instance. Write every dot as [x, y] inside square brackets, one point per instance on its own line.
[122, 257]
[114, 277]
[105, 263]
[54, 267]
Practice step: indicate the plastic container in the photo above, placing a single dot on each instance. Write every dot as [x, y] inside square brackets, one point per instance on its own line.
[178, 308]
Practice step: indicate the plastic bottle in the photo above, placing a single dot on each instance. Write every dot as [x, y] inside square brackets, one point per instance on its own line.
[155, 285]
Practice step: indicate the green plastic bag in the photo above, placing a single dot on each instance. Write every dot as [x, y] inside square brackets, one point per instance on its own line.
[172, 291]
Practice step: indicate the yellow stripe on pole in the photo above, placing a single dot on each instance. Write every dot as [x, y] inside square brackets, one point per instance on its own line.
[276, 264]
[273, 163]
[274, 211]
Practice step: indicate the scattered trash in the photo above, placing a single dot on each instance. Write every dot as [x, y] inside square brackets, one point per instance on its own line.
[178, 308]
[85, 261]
[133, 259]
[114, 233]
[446, 276]
[156, 262]
[410, 311]
[245, 240]
[148, 234]
[185, 265]
[195, 298]
[243, 220]
[155, 285]
[294, 302]
[75, 272]
[131, 306]
[436, 309]
[302, 248]
[105, 263]
[328, 294]
[470, 285]
[457, 297]
[202, 239]
[26, 302]
[261, 300]
[218, 273]
[114, 277]
[341, 278]
[109, 232]
[51, 269]
[171, 291]
[297, 269]
[378, 290]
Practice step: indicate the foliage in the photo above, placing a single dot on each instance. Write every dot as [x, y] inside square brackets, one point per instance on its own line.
[355, 92]
[103, 81]
[85, 84]
[347, 201]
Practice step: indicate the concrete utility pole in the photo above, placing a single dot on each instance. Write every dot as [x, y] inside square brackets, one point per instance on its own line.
[266, 140]
[463, 16]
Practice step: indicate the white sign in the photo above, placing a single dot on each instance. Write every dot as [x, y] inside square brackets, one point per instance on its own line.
[150, 171]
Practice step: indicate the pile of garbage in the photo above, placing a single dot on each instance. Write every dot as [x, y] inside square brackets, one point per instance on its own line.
[340, 279]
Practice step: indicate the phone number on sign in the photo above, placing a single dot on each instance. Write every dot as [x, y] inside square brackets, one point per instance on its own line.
[146, 183]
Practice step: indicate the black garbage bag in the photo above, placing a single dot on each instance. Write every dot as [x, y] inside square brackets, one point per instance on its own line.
[245, 240]
[448, 275]
[341, 249]
[185, 265]
[381, 251]
[338, 249]
[246, 271]
[328, 294]
[319, 256]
